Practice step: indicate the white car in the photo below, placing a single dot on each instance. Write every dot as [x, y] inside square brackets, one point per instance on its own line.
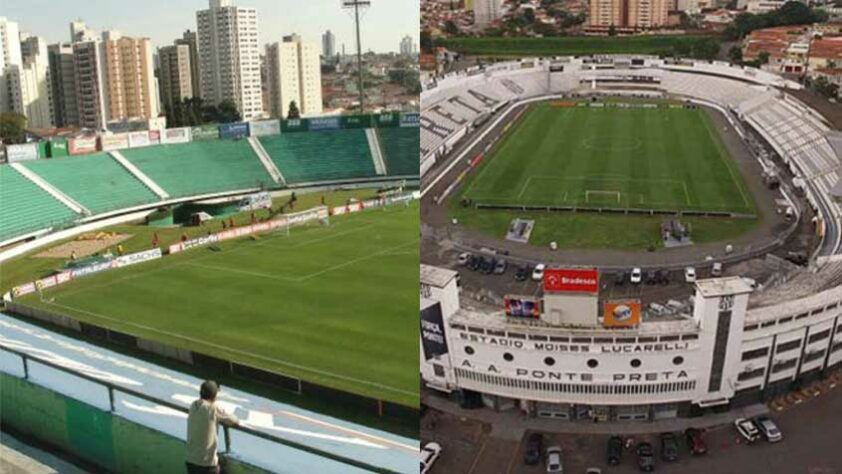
[636, 275]
[717, 269]
[768, 428]
[429, 453]
[463, 258]
[538, 272]
[747, 429]
[690, 275]
[554, 460]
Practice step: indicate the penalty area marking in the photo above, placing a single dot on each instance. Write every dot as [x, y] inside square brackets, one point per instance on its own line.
[304, 368]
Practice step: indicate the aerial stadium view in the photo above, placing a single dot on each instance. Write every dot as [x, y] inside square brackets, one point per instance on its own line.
[247, 255]
[630, 253]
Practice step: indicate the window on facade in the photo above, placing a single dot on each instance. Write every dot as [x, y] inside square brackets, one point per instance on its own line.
[635, 363]
[756, 353]
[469, 350]
[549, 361]
[508, 357]
[593, 363]
[678, 360]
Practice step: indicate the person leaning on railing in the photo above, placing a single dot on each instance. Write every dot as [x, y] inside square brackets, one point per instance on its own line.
[202, 427]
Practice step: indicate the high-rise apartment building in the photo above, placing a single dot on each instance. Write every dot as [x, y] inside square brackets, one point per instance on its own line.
[10, 55]
[229, 57]
[63, 85]
[79, 31]
[175, 74]
[294, 74]
[90, 78]
[131, 87]
[328, 45]
[407, 47]
[486, 11]
[191, 40]
[628, 15]
[28, 83]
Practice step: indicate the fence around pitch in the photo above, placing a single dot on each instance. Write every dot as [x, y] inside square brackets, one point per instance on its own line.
[332, 396]
[27, 360]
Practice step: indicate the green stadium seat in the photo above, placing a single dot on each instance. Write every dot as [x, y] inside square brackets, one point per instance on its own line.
[400, 150]
[201, 167]
[25, 207]
[320, 156]
[95, 181]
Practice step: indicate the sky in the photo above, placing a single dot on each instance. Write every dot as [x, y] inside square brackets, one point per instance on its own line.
[383, 25]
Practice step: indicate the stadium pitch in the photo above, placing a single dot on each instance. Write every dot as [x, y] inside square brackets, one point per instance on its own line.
[663, 158]
[325, 303]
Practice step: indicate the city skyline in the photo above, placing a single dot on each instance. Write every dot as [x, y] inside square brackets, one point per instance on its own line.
[395, 19]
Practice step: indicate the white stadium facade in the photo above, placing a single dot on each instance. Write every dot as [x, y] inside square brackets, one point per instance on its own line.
[736, 345]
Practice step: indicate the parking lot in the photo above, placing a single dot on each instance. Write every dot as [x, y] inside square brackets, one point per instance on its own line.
[810, 420]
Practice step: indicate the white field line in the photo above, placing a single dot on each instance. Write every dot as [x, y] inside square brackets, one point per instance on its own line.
[238, 351]
[359, 259]
[342, 429]
[721, 147]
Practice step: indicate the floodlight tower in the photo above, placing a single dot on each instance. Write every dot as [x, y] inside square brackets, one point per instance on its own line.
[358, 5]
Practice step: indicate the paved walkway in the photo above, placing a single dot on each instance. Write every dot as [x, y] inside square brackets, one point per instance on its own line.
[19, 458]
[512, 424]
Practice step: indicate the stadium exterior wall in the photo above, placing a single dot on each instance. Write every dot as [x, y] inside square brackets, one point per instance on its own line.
[663, 368]
[99, 437]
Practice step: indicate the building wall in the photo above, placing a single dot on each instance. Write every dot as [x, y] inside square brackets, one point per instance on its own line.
[175, 74]
[629, 14]
[294, 74]
[28, 84]
[130, 79]
[63, 85]
[486, 11]
[91, 84]
[229, 57]
[10, 55]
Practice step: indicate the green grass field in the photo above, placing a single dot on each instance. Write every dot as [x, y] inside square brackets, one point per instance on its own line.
[572, 45]
[325, 303]
[664, 158]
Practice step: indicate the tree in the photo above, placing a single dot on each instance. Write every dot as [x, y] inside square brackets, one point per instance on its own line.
[293, 111]
[12, 128]
[426, 42]
[735, 54]
[763, 57]
[612, 30]
[228, 112]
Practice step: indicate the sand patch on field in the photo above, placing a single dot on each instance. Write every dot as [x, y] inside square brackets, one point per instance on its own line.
[86, 244]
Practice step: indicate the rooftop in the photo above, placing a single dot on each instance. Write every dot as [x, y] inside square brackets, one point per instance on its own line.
[713, 287]
[435, 276]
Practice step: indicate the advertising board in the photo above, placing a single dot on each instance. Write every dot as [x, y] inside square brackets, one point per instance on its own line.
[265, 127]
[139, 139]
[410, 120]
[82, 145]
[621, 313]
[571, 280]
[176, 135]
[324, 123]
[204, 132]
[116, 141]
[25, 152]
[432, 331]
[522, 306]
[57, 147]
[233, 131]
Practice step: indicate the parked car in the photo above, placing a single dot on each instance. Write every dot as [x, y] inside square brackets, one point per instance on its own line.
[669, 447]
[651, 277]
[620, 278]
[798, 258]
[716, 270]
[500, 267]
[474, 262]
[645, 457]
[664, 277]
[538, 272]
[522, 273]
[769, 429]
[690, 275]
[534, 447]
[488, 266]
[464, 257]
[615, 450]
[429, 453]
[747, 429]
[636, 276]
[554, 460]
[695, 442]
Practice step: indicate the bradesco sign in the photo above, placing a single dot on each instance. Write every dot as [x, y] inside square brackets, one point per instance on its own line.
[571, 280]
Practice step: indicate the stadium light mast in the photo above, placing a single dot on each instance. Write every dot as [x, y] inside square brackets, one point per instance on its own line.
[358, 5]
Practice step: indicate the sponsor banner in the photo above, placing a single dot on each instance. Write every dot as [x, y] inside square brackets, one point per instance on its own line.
[411, 120]
[432, 331]
[25, 152]
[82, 145]
[176, 135]
[139, 257]
[198, 242]
[621, 313]
[57, 147]
[116, 141]
[24, 289]
[324, 123]
[139, 139]
[252, 202]
[154, 137]
[338, 211]
[307, 216]
[233, 131]
[401, 198]
[581, 348]
[389, 120]
[91, 269]
[355, 121]
[571, 280]
[204, 132]
[294, 125]
[265, 127]
[522, 307]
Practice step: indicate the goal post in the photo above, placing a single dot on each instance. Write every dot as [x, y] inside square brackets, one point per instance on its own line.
[602, 195]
